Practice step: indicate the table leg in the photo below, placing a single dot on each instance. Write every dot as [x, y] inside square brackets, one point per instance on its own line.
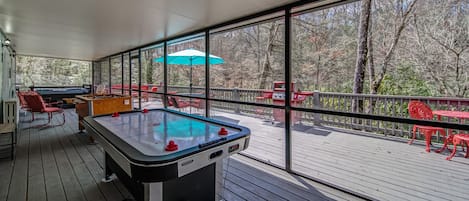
[107, 170]
[455, 143]
[467, 149]
[445, 143]
[428, 140]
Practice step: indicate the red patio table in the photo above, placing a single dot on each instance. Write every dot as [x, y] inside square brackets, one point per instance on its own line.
[454, 114]
[448, 113]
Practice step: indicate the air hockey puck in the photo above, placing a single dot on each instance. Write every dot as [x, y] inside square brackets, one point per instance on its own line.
[171, 146]
[145, 110]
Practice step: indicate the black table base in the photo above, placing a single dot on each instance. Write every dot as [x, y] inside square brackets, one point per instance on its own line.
[198, 185]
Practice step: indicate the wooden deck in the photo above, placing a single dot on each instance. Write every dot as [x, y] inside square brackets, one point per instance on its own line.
[380, 167]
[58, 164]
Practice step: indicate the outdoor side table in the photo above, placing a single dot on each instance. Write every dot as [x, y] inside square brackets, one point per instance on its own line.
[9, 129]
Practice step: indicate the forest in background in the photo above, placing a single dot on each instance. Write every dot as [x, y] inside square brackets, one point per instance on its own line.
[411, 47]
[40, 71]
[389, 47]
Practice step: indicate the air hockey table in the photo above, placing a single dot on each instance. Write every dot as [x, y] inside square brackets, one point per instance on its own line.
[166, 155]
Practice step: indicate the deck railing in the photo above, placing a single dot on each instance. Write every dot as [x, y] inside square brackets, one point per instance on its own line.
[394, 106]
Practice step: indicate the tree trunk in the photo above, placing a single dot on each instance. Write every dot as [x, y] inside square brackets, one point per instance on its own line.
[375, 81]
[371, 70]
[149, 67]
[318, 65]
[362, 51]
[266, 71]
[266, 66]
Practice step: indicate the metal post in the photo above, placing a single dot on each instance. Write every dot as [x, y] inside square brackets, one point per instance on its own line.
[139, 79]
[122, 74]
[109, 75]
[92, 77]
[130, 77]
[165, 76]
[207, 73]
[288, 148]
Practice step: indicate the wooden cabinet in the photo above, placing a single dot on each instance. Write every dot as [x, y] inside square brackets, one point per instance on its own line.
[89, 105]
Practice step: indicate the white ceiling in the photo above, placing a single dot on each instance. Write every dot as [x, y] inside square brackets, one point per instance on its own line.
[90, 29]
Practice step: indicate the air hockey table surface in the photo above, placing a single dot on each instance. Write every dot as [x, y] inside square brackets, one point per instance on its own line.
[136, 150]
[143, 137]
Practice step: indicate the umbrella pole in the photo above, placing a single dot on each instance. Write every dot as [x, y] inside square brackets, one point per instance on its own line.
[190, 86]
[190, 81]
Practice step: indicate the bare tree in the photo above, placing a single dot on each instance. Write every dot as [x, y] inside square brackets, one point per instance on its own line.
[266, 70]
[401, 18]
[442, 42]
[362, 52]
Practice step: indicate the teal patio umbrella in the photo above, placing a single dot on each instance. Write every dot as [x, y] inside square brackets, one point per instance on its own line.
[189, 57]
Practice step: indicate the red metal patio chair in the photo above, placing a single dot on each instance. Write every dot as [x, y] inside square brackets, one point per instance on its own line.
[199, 104]
[419, 110]
[169, 103]
[23, 103]
[178, 103]
[37, 104]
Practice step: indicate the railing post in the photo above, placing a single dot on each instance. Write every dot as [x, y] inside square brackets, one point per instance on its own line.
[236, 97]
[316, 104]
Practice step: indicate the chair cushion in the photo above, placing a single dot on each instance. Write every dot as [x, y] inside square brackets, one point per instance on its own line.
[429, 128]
[462, 136]
[52, 109]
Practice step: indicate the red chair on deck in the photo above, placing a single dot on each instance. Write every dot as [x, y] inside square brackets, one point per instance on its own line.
[199, 104]
[37, 104]
[23, 103]
[419, 110]
[178, 103]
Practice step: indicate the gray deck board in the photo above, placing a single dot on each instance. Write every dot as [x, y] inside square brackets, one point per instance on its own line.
[6, 170]
[53, 182]
[73, 190]
[380, 167]
[36, 183]
[289, 186]
[109, 190]
[95, 159]
[19, 182]
[59, 164]
[87, 183]
[5, 174]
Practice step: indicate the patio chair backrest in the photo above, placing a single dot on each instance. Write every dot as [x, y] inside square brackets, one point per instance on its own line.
[420, 110]
[174, 101]
[21, 99]
[35, 102]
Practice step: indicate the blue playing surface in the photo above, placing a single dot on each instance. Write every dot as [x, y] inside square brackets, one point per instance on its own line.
[150, 132]
[183, 127]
